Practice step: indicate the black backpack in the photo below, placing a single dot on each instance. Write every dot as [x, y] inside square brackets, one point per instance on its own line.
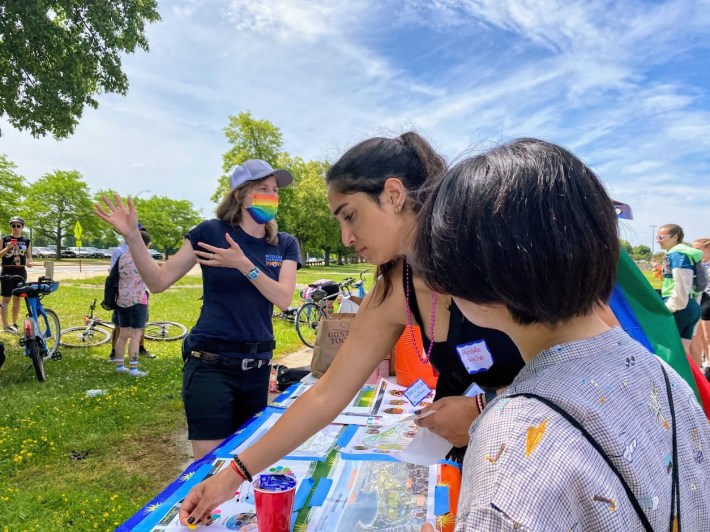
[111, 289]
[700, 277]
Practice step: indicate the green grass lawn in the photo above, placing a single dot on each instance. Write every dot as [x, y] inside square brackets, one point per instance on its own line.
[69, 460]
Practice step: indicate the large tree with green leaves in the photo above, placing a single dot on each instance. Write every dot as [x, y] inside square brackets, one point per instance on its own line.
[57, 55]
[166, 220]
[304, 210]
[12, 191]
[249, 138]
[55, 202]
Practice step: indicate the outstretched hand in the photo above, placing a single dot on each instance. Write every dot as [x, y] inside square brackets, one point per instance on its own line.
[123, 218]
[451, 419]
[231, 257]
[206, 496]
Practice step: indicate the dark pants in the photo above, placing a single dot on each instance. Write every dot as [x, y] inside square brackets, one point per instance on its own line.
[219, 399]
[687, 318]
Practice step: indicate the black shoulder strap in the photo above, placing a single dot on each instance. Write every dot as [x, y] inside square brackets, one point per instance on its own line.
[630, 494]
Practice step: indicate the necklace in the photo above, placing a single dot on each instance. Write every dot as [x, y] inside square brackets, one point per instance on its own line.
[424, 359]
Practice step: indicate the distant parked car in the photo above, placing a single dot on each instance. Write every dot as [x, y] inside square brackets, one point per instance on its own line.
[68, 253]
[84, 253]
[43, 252]
[105, 253]
[157, 255]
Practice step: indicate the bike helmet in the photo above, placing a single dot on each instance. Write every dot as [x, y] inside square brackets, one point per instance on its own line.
[17, 219]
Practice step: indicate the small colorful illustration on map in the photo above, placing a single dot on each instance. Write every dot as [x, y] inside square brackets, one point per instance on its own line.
[368, 496]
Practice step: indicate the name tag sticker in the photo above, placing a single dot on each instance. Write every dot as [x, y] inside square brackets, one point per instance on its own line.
[417, 392]
[476, 356]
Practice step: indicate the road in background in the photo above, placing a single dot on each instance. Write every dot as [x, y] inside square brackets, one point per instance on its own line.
[70, 270]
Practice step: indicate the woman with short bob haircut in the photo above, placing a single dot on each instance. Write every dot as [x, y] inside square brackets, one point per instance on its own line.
[607, 434]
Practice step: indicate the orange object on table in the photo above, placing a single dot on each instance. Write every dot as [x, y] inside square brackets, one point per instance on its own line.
[407, 364]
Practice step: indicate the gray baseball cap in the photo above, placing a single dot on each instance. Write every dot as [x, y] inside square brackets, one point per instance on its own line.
[255, 169]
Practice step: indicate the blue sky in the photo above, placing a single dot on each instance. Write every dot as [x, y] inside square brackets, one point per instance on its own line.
[623, 84]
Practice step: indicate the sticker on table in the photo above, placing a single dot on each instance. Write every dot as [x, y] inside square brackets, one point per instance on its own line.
[475, 356]
[417, 392]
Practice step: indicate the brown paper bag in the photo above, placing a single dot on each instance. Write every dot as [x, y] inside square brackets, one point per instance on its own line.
[330, 336]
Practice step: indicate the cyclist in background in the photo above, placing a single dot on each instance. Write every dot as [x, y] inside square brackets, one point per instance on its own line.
[248, 266]
[16, 253]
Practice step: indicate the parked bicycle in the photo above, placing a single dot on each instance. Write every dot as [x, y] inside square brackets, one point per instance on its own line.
[96, 331]
[318, 306]
[164, 331]
[39, 334]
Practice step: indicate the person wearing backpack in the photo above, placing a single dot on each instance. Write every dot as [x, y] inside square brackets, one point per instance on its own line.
[120, 250]
[701, 341]
[679, 273]
[131, 311]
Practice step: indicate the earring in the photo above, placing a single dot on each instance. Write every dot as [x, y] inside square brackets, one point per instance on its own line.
[398, 209]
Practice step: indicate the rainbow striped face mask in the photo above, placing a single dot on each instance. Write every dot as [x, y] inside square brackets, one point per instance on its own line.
[263, 207]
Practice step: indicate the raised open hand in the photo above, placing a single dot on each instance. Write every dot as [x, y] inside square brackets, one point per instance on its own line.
[123, 218]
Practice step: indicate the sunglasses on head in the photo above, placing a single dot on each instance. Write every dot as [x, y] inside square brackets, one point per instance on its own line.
[16, 226]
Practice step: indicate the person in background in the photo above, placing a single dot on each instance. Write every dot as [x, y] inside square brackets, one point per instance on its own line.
[375, 191]
[677, 289]
[248, 266]
[120, 250]
[131, 311]
[701, 341]
[16, 255]
[595, 432]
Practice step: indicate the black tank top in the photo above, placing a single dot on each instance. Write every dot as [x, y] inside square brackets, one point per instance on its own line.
[454, 379]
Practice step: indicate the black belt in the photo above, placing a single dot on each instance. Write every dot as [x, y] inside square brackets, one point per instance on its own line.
[241, 348]
[222, 360]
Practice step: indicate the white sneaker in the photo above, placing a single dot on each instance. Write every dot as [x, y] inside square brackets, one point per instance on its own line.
[138, 373]
[11, 329]
[123, 369]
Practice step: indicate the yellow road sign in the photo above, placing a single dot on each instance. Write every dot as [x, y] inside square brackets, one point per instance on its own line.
[78, 231]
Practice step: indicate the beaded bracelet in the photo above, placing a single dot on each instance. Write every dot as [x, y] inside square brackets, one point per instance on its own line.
[238, 471]
[241, 466]
[479, 403]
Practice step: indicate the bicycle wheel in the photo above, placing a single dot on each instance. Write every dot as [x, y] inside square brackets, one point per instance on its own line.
[307, 319]
[51, 332]
[85, 336]
[37, 360]
[166, 331]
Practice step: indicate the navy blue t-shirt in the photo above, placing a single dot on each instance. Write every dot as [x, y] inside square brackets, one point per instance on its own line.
[233, 310]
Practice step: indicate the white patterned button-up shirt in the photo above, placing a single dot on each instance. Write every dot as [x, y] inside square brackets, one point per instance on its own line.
[528, 468]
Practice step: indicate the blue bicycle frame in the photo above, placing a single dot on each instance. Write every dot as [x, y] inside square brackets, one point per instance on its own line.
[37, 327]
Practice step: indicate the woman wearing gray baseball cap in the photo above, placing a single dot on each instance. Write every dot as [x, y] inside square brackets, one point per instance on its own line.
[248, 266]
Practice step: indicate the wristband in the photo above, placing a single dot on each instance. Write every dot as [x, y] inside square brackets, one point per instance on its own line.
[479, 403]
[238, 471]
[242, 467]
